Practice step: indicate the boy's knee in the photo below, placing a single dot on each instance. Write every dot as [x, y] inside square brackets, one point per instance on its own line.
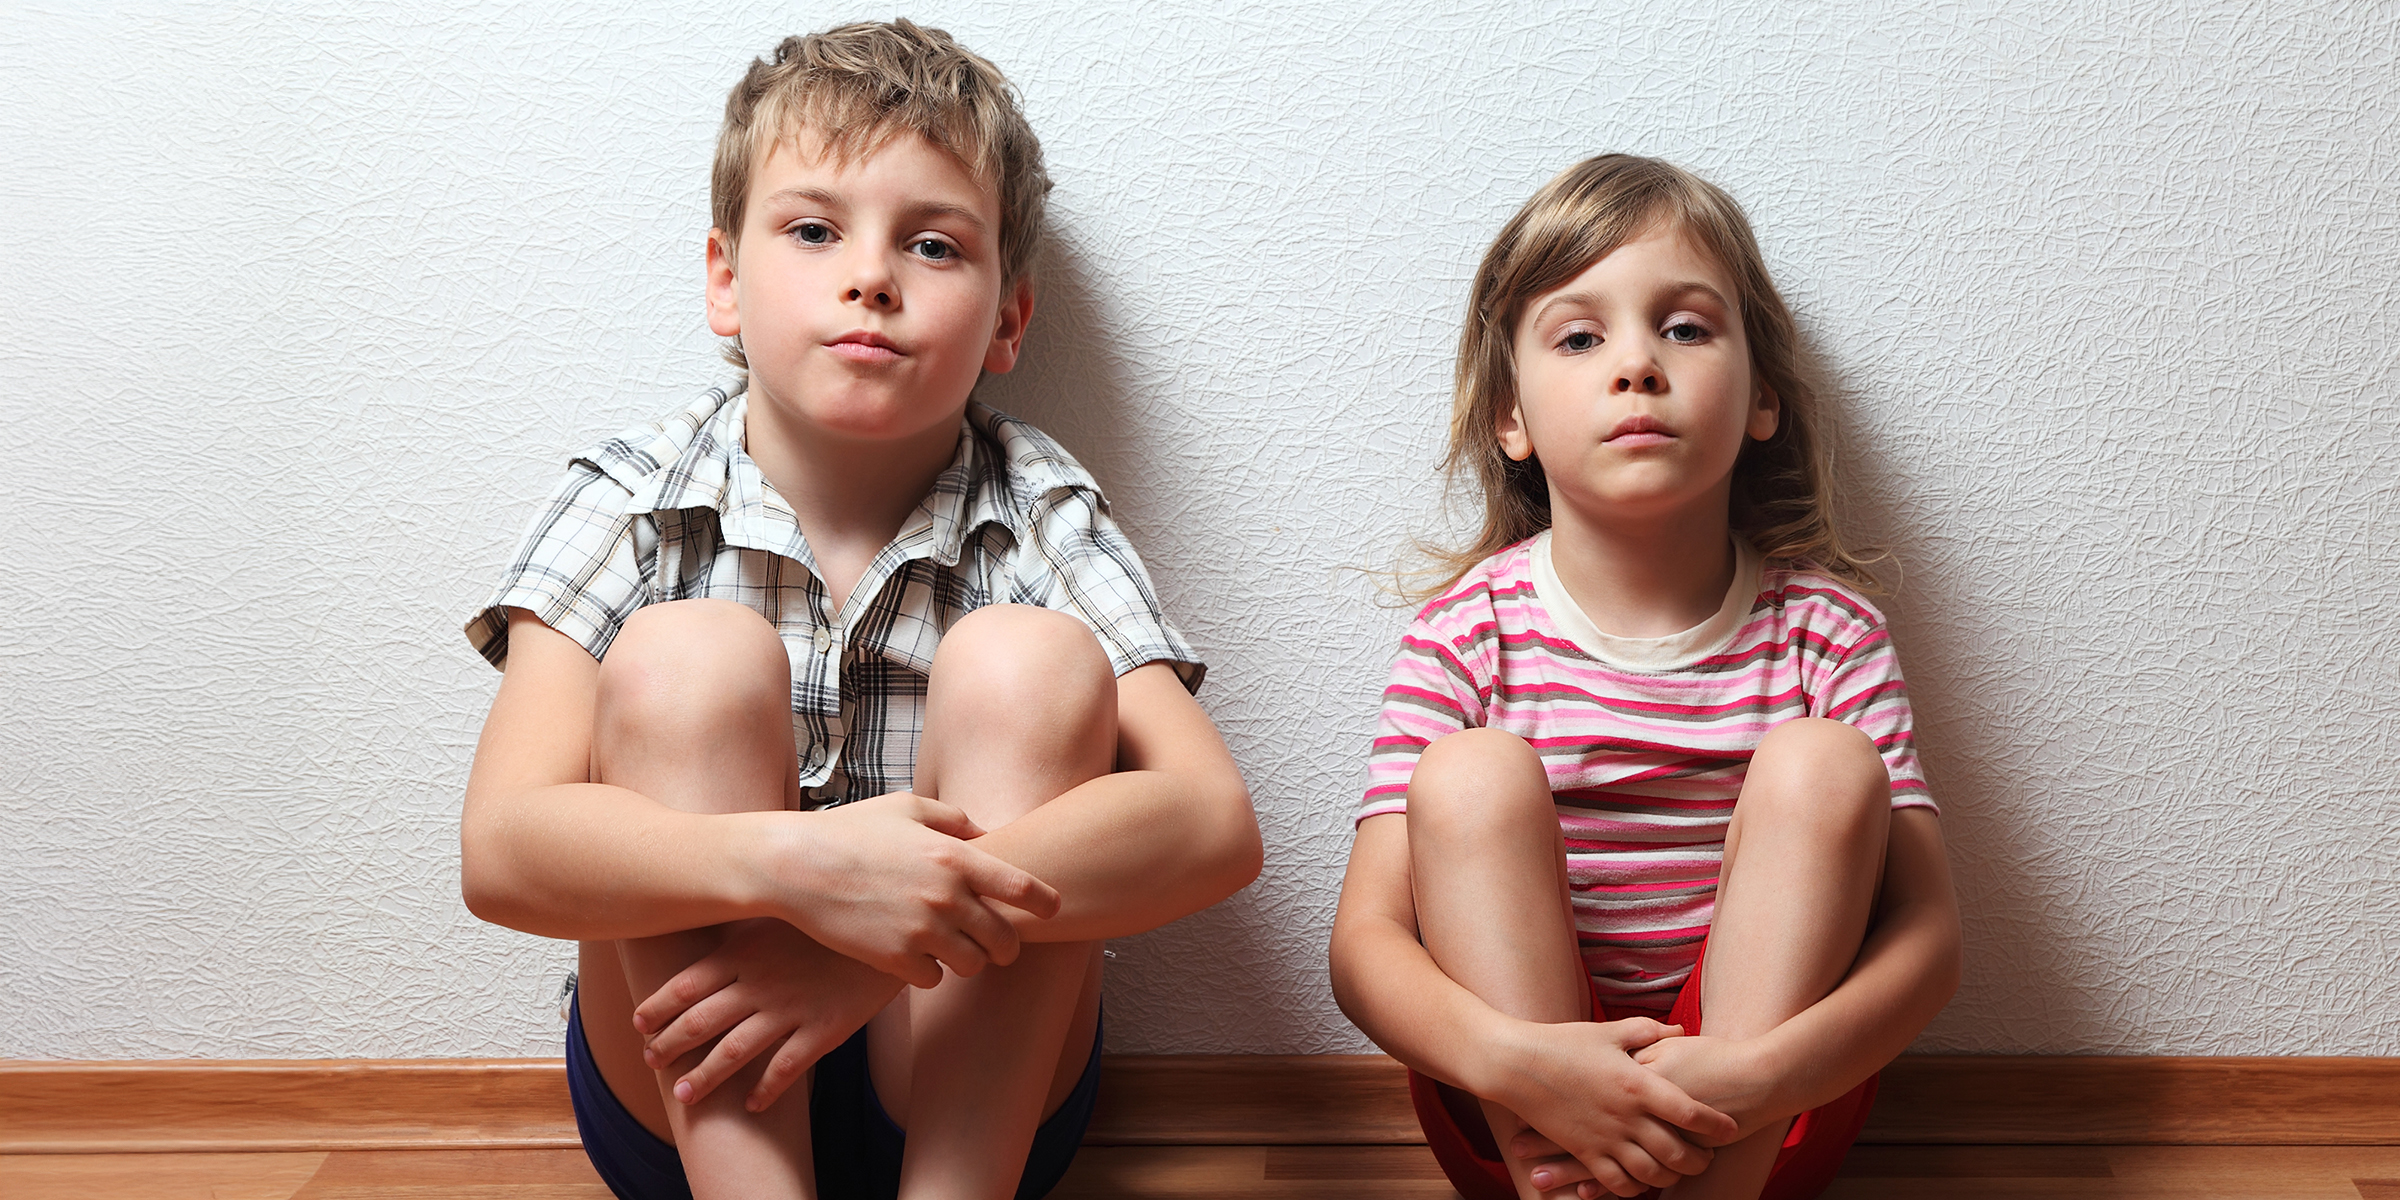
[692, 664]
[1017, 661]
[1478, 780]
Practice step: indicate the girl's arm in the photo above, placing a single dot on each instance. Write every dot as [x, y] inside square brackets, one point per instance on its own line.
[1568, 1080]
[1907, 969]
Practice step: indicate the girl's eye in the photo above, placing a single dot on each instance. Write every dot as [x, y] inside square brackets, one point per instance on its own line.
[1686, 333]
[933, 249]
[1579, 341]
[812, 233]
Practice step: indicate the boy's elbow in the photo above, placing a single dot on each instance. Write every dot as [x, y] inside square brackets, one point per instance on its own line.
[1238, 853]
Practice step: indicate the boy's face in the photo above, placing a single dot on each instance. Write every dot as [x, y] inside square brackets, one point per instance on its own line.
[867, 294]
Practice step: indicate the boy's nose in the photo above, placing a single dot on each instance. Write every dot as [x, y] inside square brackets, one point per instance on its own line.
[883, 298]
[1642, 377]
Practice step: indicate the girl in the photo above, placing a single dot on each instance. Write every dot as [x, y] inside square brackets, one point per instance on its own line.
[1646, 758]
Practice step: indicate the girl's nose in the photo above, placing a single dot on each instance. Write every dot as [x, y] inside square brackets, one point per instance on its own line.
[881, 297]
[1640, 375]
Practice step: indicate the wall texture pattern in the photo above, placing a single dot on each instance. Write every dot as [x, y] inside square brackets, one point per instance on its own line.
[302, 305]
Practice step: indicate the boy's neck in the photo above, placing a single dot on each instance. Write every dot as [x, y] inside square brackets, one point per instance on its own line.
[851, 496]
[1642, 577]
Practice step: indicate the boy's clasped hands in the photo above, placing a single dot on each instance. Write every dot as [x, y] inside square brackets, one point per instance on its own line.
[872, 896]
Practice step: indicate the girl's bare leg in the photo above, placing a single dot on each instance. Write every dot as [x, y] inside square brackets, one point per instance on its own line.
[1021, 706]
[695, 713]
[1489, 872]
[1803, 858]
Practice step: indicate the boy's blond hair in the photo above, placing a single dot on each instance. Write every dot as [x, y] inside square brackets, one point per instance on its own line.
[855, 87]
[1782, 487]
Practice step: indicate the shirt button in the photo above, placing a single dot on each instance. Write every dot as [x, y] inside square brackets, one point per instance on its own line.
[824, 639]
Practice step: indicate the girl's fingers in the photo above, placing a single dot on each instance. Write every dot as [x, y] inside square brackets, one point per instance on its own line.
[1645, 1170]
[1676, 1107]
[1531, 1144]
[1633, 1033]
[1668, 1145]
[1558, 1171]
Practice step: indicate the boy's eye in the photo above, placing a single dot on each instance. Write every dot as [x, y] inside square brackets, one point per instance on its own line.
[933, 249]
[812, 233]
[1579, 341]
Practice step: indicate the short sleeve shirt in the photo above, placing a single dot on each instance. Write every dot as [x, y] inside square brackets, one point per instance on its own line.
[677, 510]
[1646, 741]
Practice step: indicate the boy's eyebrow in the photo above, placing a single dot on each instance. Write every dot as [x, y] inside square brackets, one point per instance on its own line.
[916, 211]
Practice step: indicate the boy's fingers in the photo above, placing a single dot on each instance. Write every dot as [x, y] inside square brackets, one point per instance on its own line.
[694, 1028]
[730, 1054]
[946, 818]
[694, 983]
[962, 954]
[1010, 885]
[790, 1065]
[991, 932]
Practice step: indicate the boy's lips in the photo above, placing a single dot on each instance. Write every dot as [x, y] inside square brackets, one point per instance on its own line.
[865, 345]
[1640, 429]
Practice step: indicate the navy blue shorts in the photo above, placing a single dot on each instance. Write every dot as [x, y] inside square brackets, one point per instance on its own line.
[857, 1146]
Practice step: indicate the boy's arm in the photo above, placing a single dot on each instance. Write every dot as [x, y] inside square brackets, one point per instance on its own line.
[1168, 834]
[546, 851]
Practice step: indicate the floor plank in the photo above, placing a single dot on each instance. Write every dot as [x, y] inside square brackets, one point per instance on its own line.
[455, 1175]
[1277, 1172]
[156, 1176]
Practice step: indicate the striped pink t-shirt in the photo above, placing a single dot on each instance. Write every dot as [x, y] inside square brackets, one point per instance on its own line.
[1646, 740]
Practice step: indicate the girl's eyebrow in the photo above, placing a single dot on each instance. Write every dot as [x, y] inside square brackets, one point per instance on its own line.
[1678, 289]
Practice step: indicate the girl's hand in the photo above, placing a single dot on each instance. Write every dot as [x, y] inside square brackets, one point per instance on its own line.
[1602, 1117]
[1725, 1075]
[893, 883]
[768, 983]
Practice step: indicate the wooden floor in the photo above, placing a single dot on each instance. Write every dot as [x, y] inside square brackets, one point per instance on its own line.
[1260, 1172]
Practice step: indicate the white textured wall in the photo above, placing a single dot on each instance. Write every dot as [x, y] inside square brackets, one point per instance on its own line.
[301, 306]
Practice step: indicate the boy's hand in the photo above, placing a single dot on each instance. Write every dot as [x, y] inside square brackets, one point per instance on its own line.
[1599, 1118]
[893, 883]
[768, 983]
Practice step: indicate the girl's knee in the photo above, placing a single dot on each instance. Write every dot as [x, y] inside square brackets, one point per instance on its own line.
[1818, 769]
[1478, 780]
[692, 664]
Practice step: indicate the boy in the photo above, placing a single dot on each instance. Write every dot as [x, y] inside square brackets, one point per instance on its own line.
[838, 682]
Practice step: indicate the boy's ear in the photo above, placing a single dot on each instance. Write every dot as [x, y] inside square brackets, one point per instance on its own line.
[1514, 441]
[724, 313]
[1008, 336]
[1766, 414]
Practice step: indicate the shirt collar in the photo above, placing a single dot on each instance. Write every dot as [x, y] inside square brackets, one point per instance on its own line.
[715, 473]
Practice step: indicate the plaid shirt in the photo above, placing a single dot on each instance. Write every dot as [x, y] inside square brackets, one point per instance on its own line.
[677, 510]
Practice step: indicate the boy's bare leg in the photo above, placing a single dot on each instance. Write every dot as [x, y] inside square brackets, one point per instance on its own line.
[1021, 706]
[695, 713]
[1803, 858]
[1489, 872]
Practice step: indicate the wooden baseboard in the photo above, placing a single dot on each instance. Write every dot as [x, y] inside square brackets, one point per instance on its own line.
[127, 1107]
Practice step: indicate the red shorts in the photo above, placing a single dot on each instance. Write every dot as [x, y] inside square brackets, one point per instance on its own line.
[1463, 1143]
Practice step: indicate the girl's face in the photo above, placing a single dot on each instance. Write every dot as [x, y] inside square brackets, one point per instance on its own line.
[1634, 384]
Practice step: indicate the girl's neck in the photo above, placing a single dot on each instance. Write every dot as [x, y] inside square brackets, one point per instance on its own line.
[1642, 577]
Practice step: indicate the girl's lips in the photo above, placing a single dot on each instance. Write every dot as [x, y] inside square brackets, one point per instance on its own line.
[1639, 430]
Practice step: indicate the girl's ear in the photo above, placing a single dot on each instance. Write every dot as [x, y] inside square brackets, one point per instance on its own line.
[1514, 441]
[1766, 414]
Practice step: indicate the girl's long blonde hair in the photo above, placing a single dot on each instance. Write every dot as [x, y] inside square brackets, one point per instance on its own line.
[1781, 487]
